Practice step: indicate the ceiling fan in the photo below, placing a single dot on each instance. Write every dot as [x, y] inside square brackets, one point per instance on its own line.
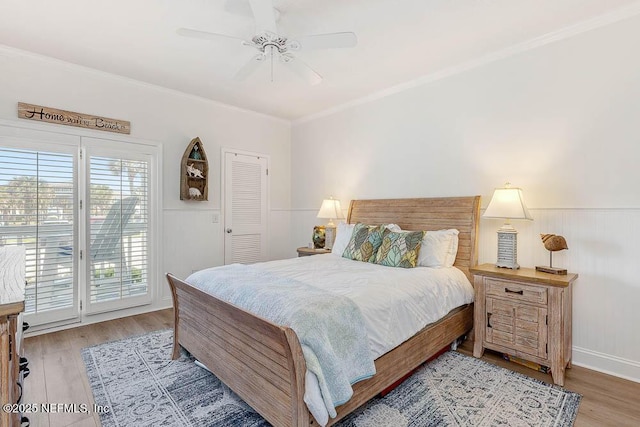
[272, 46]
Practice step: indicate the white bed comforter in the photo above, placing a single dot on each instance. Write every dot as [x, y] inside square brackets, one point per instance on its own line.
[396, 302]
[330, 327]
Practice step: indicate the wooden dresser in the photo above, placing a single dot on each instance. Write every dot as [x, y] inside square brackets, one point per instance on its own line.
[524, 313]
[12, 283]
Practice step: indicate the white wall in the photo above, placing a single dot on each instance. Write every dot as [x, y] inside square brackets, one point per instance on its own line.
[191, 240]
[560, 121]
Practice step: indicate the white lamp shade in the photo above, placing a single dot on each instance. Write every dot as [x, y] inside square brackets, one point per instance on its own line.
[507, 203]
[330, 209]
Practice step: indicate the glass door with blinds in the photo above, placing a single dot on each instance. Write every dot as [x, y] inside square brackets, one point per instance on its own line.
[84, 209]
[38, 200]
[118, 223]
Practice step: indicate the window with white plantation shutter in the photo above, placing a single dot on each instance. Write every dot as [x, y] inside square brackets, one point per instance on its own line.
[37, 210]
[118, 229]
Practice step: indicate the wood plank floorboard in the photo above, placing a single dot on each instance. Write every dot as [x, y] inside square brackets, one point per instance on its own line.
[58, 375]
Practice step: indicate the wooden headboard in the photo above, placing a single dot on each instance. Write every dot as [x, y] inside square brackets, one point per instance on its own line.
[462, 213]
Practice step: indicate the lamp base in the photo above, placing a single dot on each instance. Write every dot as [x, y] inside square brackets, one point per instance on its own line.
[330, 236]
[551, 270]
[507, 249]
[511, 265]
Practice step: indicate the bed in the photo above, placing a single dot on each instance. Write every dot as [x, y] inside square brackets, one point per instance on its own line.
[263, 362]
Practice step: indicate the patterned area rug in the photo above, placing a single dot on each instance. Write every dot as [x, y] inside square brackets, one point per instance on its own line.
[141, 386]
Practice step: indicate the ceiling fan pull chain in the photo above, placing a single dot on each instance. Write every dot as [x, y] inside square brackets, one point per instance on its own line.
[272, 49]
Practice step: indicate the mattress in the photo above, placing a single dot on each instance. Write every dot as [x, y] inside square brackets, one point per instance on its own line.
[396, 303]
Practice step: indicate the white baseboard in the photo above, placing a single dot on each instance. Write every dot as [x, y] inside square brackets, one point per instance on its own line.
[607, 364]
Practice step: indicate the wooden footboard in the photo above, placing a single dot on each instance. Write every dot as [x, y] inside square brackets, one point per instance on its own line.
[260, 361]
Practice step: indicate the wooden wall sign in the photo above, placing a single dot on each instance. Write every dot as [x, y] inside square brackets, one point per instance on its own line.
[70, 118]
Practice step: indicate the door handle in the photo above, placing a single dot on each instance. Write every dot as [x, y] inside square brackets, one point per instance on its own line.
[228, 230]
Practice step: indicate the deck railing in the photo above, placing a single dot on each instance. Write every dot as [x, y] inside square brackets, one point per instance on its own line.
[50, 267]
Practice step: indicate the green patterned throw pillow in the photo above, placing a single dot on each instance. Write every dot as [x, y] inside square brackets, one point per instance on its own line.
[400, 249]
[364, 243]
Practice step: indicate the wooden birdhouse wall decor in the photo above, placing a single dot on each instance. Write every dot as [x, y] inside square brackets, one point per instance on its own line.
[194, 172]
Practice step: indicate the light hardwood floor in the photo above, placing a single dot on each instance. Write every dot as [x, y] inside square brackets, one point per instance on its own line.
[58, 375]
[57, 371]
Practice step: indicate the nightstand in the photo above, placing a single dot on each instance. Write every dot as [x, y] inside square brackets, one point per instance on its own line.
[311, 251]
[524, 313]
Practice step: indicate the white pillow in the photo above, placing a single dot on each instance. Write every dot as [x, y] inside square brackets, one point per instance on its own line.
[393, 227]
[343, 235]
[439, 248]
[453, 251]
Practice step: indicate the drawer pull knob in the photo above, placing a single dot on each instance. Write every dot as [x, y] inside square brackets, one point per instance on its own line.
[509, 291]
[489, 320]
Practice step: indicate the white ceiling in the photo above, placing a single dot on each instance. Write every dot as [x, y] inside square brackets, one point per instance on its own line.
[398, 41]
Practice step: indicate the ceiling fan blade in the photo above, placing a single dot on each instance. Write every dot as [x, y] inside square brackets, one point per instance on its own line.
[250, 67]
[324, 41]
[236, 7]
[264, 15]
[205, 35]
[301, 69]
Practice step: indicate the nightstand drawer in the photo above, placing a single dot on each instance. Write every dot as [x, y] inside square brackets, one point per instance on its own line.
[516, 291]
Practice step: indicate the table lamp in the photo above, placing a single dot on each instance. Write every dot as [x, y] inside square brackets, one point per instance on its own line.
[507, 203]
[330, 210]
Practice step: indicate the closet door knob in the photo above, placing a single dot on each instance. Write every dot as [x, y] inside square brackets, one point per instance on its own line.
[228, 230]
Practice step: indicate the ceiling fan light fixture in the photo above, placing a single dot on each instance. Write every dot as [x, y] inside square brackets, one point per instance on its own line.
[269, 43]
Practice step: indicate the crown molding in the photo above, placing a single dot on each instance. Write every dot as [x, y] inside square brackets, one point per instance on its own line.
[551, 37]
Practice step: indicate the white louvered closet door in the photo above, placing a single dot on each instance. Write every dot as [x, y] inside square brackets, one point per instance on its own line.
[245, 208]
